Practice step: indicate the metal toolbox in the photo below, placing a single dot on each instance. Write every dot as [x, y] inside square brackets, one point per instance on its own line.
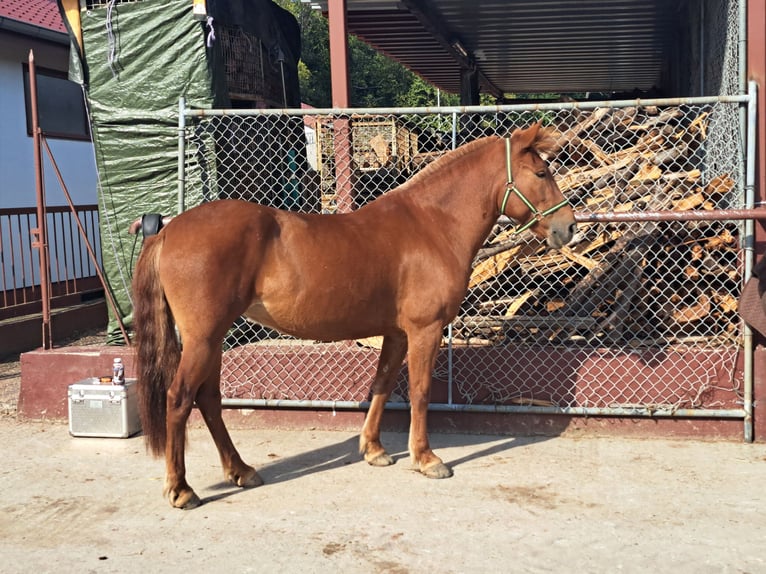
[103, 409]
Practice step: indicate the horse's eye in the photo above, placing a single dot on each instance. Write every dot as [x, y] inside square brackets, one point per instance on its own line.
[540, 174]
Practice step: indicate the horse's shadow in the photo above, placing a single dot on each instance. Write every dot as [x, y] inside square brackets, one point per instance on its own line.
[340, 454]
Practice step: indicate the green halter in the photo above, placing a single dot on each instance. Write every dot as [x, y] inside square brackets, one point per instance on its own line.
[537, 215]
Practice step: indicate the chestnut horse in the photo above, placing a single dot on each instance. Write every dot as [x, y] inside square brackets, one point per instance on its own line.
[397, 267]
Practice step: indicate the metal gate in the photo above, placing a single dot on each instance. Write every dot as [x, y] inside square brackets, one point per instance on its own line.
[636, 317]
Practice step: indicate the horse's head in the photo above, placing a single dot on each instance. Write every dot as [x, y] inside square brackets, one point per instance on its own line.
[531, 195]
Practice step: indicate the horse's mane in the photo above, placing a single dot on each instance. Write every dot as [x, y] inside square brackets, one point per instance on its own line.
[449, 158]
[543, 144]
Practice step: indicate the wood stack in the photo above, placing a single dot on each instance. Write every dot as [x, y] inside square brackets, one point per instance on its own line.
[636, 283]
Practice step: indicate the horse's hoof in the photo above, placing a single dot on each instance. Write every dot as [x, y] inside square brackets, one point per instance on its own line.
[438, 470]
[249, 478]
[381, 459]
[250, 481]
[185, 501]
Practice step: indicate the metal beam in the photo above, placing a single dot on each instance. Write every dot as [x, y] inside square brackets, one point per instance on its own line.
[434, 25]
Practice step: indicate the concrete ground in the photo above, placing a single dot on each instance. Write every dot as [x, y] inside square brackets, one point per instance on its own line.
[559, 504]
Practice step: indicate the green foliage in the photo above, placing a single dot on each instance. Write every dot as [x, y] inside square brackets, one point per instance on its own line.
[376, 81]
[422, 94]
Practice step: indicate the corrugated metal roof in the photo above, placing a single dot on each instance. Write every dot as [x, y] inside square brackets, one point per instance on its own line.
[518, 46]
[39, 13]
[525, 46]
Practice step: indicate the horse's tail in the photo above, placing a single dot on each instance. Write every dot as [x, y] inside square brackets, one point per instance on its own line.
[158, 350]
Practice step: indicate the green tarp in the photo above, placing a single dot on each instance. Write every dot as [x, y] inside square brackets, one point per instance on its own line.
[139, 58]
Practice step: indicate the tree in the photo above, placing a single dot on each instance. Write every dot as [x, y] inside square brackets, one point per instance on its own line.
[376, 80]
[422, 94]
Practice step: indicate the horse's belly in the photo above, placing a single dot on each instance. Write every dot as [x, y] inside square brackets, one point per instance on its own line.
[322, 323]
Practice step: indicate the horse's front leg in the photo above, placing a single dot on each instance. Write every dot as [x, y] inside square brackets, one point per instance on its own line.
[391, 356]
[423, 348]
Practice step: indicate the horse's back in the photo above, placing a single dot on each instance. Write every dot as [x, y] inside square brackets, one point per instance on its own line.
[215, 220]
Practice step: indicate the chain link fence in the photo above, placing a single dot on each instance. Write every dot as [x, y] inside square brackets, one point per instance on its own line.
[630, 318]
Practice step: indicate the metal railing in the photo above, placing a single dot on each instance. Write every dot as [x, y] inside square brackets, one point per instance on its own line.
[71, 270]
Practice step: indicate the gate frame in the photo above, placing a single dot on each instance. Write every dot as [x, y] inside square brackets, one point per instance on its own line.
[748, 110]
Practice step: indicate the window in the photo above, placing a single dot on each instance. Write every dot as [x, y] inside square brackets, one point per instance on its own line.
[60, 106]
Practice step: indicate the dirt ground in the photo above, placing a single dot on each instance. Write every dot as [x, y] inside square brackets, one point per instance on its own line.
[563, 504]
[514, 505]
[10, 382]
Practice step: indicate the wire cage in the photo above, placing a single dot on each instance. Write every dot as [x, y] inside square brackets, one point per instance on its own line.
[250, 73]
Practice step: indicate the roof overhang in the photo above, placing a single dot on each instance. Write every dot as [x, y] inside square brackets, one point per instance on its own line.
[523, 46]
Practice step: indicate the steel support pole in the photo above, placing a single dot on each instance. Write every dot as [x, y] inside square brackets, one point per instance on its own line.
[41, 231]
[342, 146]
[181, 154]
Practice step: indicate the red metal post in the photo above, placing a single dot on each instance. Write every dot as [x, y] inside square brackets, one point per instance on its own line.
[40, 232]
[336, 14]
[756, 71]
[342, 142]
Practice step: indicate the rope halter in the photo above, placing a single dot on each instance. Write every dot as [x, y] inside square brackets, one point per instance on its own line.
[537, 215]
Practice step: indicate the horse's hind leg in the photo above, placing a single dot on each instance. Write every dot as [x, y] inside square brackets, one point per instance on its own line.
[391, 356]
[197, 375]
[209, 403]
[193, 369]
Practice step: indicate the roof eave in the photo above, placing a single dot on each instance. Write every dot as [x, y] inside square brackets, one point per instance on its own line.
[32, 31]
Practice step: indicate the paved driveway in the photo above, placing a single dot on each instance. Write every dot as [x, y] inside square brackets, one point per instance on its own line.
[514, 505]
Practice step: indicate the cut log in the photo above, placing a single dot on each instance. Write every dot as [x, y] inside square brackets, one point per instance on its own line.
[695, 312]
[619, 282]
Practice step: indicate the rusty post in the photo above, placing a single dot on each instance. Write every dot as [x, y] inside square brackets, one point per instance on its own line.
[40, 232]
[342, 137]
[91, 253]
[691, 215]
[344, 170]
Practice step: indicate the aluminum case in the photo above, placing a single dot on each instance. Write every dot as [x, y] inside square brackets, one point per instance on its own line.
[103, 409]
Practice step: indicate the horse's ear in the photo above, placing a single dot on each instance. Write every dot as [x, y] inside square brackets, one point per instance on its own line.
[525, 139]
[535, 138]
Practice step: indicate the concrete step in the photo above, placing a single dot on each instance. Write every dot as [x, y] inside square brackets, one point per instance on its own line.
[20, 334]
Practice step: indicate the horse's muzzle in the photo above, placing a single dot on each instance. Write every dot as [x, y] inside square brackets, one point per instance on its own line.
[560, 234]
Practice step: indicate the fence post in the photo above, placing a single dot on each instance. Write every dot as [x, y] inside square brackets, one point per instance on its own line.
[181, 154]
[40, 232]
[749, 259]
[450, 335]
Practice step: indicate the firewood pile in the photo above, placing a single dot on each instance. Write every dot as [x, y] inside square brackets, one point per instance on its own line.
[636, 284]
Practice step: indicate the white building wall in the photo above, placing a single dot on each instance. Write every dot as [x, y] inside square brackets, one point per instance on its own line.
[17, 176]
[75, 161]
